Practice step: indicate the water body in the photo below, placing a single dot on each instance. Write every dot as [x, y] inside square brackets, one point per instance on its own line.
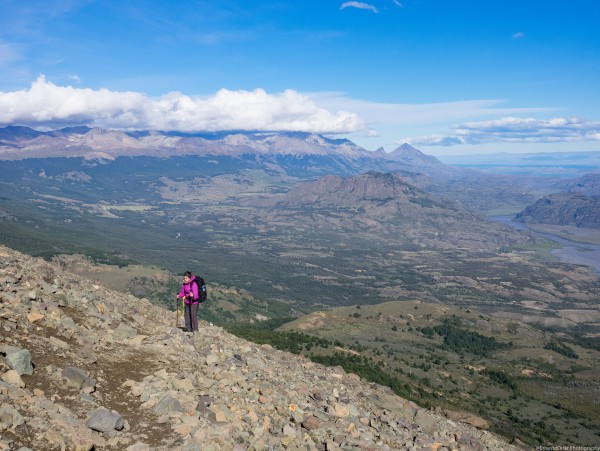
[570, 252]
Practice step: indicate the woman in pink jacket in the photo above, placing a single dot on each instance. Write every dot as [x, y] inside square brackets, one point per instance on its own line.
[189, 293]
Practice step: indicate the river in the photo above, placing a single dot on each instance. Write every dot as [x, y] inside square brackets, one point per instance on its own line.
[570, 252]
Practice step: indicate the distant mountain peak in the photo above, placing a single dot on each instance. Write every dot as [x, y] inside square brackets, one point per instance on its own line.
[372, 186]
[408, 151]
[101, 131]
[24, 142]
[407, 148]
[18, 132]
[409, 154]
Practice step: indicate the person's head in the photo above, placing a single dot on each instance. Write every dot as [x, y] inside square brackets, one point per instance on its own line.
[187, 276]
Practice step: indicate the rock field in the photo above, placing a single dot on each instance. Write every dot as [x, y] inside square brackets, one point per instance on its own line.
[83, 367]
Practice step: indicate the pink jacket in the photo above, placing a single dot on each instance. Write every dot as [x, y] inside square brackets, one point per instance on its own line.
[189, 291]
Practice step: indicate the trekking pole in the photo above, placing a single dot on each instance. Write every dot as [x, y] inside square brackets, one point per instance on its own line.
[177, 307]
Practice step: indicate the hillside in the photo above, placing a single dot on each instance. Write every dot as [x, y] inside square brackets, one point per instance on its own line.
[87, 368]
[389, 207]
[589, 185]
[565, 209]
[524, 379]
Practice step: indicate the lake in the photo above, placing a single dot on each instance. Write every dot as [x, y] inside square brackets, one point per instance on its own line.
[570, 252]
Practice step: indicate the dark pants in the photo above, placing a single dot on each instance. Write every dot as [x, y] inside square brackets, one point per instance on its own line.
[191, 317]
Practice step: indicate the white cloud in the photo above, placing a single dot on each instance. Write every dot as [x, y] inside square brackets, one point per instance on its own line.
[518, 35]
[359, 5]
[516, 130]
[397, 3]
[48, 105]
[418, 115]
[432, 140]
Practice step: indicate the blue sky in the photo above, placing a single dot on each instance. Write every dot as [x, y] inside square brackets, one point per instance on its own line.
[450, 77]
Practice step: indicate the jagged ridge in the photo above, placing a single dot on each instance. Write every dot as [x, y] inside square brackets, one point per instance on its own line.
[23, 142]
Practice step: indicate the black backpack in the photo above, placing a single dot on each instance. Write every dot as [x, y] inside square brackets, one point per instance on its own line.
[199, 281]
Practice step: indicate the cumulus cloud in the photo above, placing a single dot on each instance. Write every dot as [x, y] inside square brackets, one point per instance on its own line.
[46, 104]
[359, 5]
[516, 130]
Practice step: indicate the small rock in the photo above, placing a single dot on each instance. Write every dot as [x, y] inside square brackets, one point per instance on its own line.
[426, 421]
[211, 359]
[139, 446]
[289, 431]
[469, 442]
[467, 418]
[79, 379]
[58, 343]
[311, 422]
[35, 316]
[137, 391]
[137, 340]
[341, 410]
[168, 404]
[204, 403]
[68, 323]
[13, 378]
[125, 331]
[79, 436]
[10, 416]
[183, 385]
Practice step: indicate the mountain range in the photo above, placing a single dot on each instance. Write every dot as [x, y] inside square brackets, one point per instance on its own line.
[299, 155]
[269, 211]
[22, 142]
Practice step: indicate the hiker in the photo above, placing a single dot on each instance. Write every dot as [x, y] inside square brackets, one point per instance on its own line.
[189, 293]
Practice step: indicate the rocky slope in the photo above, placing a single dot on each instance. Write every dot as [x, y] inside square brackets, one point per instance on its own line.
[565, 209]
[84, 368]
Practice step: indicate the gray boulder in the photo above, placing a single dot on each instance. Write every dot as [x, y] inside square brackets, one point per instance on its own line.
[168, 404]
[19, 360]
[10, 416]
[103, 420]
